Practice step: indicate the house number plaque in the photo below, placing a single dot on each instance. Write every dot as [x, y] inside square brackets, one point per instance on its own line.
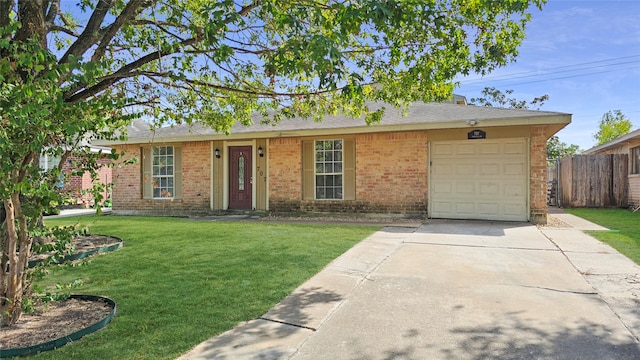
[476, 134]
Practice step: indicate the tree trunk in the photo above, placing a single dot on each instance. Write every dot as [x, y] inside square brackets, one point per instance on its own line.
[12, 288]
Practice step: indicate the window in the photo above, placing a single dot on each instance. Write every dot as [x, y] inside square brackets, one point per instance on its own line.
[635, 160]
[328, 169]
[162, 170]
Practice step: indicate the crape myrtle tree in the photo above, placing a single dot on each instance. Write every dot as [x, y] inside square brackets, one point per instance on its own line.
[74, 71]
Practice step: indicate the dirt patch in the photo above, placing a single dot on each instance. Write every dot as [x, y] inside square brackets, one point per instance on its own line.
[58, 318]
[53, 321]
[85, 243]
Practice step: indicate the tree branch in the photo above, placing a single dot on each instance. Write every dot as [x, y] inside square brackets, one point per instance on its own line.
[74, 96]
[130, 11]
[90, 33]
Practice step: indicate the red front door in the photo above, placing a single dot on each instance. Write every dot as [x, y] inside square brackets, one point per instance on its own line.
[240, 181]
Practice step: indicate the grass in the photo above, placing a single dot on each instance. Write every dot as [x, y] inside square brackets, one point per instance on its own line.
[178, 282]
[624, 225]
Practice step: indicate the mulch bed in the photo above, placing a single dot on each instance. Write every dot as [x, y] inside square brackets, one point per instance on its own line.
[58, 318]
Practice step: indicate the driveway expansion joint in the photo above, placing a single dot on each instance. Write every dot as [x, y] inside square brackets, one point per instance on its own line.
[288, 323]
[559, 290]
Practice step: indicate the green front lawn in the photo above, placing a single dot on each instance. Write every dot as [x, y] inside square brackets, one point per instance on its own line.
[624, 225]
[178, 282]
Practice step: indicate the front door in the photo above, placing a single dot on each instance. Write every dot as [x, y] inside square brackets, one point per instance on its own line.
[240, 181]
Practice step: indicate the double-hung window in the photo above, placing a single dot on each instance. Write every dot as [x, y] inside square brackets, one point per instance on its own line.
[163, 172]
[635, 160]
[328, 169]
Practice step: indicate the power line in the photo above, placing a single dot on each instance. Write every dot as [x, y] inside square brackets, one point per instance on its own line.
[558, 72]
[537, 72]
[557, 78]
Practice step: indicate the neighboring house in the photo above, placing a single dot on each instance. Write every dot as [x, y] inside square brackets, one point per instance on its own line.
[441, 160]
[77, 187]
[626, 144]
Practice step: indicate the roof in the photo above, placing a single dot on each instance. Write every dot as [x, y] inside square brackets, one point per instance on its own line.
[419, 116]
[615, 142]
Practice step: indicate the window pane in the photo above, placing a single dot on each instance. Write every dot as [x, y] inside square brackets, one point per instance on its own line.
[320, 180]
[329, 180]
[328, 168]
[337, 167]
[241, 173]
[328, 156]
[329, 193]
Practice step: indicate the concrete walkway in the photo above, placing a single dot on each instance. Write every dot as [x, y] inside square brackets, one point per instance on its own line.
[454, 290]
[77, 212]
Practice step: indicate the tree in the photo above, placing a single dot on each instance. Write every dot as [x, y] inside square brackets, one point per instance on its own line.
[557, 149]
[612, 125]
[214, 62]
[495, 98]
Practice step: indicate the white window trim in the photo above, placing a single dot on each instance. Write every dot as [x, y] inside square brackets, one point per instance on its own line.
[315, 193]
[173, 174]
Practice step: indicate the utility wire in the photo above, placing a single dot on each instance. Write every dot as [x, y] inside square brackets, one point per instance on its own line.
[548, 79]
[537, 72]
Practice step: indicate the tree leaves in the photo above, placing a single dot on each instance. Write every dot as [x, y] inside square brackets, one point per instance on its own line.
[612, 125]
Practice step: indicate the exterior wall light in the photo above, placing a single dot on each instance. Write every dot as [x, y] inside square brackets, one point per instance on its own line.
[472, 122]
[217, 153]
[260, 151]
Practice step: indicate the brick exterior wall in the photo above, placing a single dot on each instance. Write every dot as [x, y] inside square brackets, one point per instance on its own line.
[285, 174]
[76, 186]
[196, 174]
[391, 172]
[538, 176]
[391, 176]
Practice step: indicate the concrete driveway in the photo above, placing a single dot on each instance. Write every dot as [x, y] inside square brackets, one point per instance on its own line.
[454, 290]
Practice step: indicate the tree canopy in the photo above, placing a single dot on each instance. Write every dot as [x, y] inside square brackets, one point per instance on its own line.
[496, 98]
[612, 125]
[76, 71]
[557, 149]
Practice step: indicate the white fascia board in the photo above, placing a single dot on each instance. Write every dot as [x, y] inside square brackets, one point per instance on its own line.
[562, 119]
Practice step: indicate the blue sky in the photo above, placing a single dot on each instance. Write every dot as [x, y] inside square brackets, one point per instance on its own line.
[585, 55]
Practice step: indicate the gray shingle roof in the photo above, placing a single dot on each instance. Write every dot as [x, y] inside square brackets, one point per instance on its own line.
[418, 116]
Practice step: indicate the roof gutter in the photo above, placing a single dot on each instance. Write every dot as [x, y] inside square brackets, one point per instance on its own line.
[558, 120]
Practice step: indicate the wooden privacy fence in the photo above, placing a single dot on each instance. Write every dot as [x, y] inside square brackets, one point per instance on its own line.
[593, 180]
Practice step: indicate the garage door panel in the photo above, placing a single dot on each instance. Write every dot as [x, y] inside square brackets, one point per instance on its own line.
[514, 169]
[488, 209]
[465, 169]
[490, 149]
[465, 188]
[489, 189]
[479, 179]
[465, 149]
[442, 188]
[466, 208]
[442, 149]
[490, 169]
[516, 148]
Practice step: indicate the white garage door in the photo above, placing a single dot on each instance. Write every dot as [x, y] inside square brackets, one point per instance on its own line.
[479, 179]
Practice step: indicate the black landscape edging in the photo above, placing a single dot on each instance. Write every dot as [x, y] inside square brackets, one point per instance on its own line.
[82, 255]
[54, 344]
